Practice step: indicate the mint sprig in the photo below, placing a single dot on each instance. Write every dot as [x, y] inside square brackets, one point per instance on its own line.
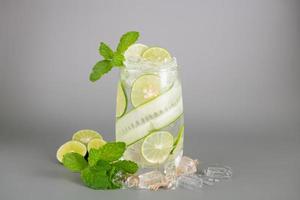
[104, 169]
[74, 162]
[126, 40]
[109, 152]
[106, 51]
[96, 179]
[112, 58]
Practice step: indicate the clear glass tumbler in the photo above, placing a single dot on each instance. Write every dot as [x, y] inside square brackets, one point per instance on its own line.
[149, 117]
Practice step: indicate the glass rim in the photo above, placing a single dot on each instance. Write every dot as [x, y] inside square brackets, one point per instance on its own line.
[147, 66]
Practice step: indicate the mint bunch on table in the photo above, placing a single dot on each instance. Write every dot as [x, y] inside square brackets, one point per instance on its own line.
[112, 58]
[103, 168]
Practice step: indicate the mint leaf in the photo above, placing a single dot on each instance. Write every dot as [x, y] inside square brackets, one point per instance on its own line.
[96, 179]
[118, 59]
[99, 69]
[126, 40]
[114, 180]
[112, 151]
[74, 162]
[126, 166]
[109, 152]
[102, 165]
[93, 157]
[106, 51]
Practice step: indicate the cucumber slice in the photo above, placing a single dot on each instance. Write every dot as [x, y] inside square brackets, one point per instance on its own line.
[151, 116]
[144, 89]
[121, 101]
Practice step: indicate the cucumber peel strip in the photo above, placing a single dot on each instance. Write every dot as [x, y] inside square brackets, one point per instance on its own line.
[138, 122]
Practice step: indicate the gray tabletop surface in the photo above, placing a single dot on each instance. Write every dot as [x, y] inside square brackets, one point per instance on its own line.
[265, 166]
[239, 64]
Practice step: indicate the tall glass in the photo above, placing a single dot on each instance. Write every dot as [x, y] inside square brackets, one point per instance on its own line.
[150, 114]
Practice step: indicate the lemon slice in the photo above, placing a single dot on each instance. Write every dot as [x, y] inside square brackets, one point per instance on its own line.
[135, 51]
[145, 88]
[68, 147]
[84, 136]
[95, 143]
[121, 101]
[157, 55]
[157, 146]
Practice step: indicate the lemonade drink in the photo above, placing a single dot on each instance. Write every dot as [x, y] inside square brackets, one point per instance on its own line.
[149, 116]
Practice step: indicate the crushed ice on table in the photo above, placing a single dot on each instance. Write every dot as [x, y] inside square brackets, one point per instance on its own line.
[191, 178]
[170, 174]
[170, 170]
[186, 175]
[216, 172]
[153, 178]
[186, 166]
[190, 181]
[208, 181]
[132, 181]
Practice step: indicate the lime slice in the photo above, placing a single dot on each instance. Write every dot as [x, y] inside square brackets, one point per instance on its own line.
[95, 143]
[84, 136]
[68, 147]
[135, 51]
[157, 146]
[144, 89]
[157, 55]
[121, 101]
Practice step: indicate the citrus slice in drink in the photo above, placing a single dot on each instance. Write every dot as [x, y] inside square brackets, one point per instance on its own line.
[157, 146]
[135, 51]
[121, 101]
[145, 88]
[68, 147]
[95, 143]
[157, 55]
[84, 136]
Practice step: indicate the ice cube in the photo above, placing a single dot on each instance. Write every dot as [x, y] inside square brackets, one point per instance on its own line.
[190, 181]
[216, 172]
[208, 181]
[132, 181]
[170, 173]
[170, 169]
[186, 166]
[151, 178]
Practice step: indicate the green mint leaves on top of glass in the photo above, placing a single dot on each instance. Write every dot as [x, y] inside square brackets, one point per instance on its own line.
[112, 58]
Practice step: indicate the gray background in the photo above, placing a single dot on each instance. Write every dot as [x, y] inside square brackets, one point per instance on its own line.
[240, 67]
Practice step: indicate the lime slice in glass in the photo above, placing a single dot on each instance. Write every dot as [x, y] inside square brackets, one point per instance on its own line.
[157, 146]
[144, 89]
[157, 55]
[84, 136]
[68, 147]
[135, 51]
[121, 101]
[95, 143]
